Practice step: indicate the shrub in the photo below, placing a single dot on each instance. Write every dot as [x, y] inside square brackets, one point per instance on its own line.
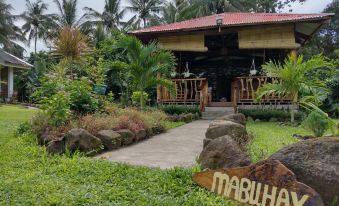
[317, 123]
[267, 114]
[179, 109]
[57, 108]
[136, 98]
[23, 128]
[81, 97]
[41, 123]
[128, 118]
[94, 123]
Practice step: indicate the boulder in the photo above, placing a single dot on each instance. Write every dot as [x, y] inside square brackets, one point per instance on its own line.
[56, 147]
[273, 119]
[206, 142]
[220, 128]
[223, 152]
[45, 138]
[158, 129]
[127, 136]
[82, 140]
[315, 163]
[141, 135]
[110, 139]
[237, 118]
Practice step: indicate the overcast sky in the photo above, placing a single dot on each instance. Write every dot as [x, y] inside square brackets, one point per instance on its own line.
[311, 6]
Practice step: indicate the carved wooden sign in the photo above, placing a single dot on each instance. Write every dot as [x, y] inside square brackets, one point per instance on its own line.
[267, 183]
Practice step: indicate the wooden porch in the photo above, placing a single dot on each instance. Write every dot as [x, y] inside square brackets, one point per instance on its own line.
[195, 91]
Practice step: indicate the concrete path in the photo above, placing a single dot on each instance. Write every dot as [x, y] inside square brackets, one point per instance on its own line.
[177, 147]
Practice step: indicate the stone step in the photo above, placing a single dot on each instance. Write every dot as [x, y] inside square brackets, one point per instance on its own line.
[219, 109]
[213, 115]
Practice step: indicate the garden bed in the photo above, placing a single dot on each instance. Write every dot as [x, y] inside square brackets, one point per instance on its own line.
[110, 129]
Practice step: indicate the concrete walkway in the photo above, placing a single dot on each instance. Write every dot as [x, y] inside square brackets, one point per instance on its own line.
[177, 147]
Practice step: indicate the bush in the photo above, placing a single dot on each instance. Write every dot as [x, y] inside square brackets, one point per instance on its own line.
[136, 98]
[41, 123]
[317, 123]
[267, 114]
[57, 108]
[23, 128]
[128, 118]
[179, 109]
[81, 97]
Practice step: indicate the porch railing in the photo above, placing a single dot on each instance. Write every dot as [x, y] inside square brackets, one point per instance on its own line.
[245, 88]
[186, 91]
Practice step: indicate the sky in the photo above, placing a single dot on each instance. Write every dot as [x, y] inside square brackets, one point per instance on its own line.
[310, 6]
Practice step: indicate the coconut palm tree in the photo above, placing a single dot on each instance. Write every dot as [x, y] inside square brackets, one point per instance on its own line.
[144, 64]
[208, 7]
[146, 12]
[67, 13]
[294, 81]
[9, 33]
[37, 24]
[110, 18]
[177, 10]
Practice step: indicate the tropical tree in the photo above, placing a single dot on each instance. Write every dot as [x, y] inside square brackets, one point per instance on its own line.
[177, 10]
[295, 83]
[146, 12]
[110, 18]
[67, 13]
[144, 64]
[37, 23]
[9, 33]
[208, 7]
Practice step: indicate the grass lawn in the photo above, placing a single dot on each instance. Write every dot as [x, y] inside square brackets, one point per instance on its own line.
[29, 176]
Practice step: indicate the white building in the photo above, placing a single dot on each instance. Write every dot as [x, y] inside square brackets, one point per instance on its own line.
[8, 66]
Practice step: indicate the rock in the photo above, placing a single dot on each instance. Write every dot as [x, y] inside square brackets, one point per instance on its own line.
[250, 119]
[56, 147]
[223, 152]
[197, 116]
[45, 138]
[315, 163]
[190, 117]
[141, 135]
[257, 120]
[273, 119]
[206, 142]
[110, 139]
[149, 132]
[173, 118]
[82, 140]
[220, 128]
[157, 129]
[127, 136]
[237, 118]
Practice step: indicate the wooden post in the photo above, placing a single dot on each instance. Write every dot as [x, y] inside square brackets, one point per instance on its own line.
[158, 90]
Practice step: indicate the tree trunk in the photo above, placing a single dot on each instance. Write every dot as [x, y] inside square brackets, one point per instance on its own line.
[35, 42]
[292, 113]
[144, 20]
[142, 99]
[294, 104]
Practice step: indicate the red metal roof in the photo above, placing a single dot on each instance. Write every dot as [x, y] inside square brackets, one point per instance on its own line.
[233, 19]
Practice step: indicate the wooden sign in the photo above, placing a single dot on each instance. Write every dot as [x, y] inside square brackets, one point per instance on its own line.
[267, 183]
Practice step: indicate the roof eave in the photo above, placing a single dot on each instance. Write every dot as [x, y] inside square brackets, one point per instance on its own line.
[323, 18]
